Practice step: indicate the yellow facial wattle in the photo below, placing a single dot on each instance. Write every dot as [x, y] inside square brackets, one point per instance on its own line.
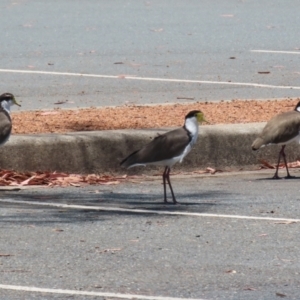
[15, 102]
[201, 118]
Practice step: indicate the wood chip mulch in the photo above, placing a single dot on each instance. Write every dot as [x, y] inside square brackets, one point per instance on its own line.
[138, 117]
[59, 179]
[12, 178]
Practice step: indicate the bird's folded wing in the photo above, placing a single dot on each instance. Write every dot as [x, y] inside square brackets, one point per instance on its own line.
[165, 146]
[5, 127]
[282, 128]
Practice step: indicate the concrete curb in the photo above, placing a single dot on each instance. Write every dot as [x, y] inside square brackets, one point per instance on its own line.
[218, 146]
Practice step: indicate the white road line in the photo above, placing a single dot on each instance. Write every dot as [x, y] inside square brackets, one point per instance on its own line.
[146, 211]
[87, 293]
[275, 51]
[255, 85]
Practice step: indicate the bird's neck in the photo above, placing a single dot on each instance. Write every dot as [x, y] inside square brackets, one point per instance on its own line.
[6, 106]
[191, 125]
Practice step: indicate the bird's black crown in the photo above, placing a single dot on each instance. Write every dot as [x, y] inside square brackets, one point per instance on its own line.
[6, 97]
[192, 113]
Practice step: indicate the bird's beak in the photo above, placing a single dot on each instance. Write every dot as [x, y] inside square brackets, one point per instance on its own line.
[204, 120]
[15, 102]
[201, 118]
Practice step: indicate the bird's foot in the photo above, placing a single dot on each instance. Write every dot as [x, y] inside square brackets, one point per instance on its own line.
[276, 176]
[174, 201]
[289, 177]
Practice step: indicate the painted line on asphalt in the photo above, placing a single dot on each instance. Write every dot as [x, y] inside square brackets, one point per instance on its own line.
[146, 211]
[255, 85]
[275, 51]
[87, 293]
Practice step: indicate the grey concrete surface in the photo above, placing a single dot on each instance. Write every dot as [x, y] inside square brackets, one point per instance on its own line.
[191, 40]
[218, 146]
[141, 253]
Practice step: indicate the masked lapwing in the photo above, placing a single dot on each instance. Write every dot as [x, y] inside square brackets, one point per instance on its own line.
[6, 100]
[168, 149]
[281, 130]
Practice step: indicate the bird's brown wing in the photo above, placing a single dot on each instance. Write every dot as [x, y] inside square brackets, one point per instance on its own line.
[165, 146]
[281, 128]
[5, 126]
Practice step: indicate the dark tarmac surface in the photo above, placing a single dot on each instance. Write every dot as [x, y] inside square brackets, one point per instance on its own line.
[209, 257]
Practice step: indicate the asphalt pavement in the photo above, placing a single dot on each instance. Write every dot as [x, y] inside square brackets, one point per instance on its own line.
[123, 239]
[233, 235]
[206, 45]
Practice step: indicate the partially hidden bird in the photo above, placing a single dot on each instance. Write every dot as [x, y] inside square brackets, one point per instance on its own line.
[6, 101]
[282, 129]
[168, 149]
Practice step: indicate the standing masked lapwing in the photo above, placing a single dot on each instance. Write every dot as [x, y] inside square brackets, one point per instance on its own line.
[168, 149]
[6, 100]
[281, 130]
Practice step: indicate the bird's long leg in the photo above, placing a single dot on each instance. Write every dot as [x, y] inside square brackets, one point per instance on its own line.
[164, 182]
[284, 159]
[169, 182]
[276, 172]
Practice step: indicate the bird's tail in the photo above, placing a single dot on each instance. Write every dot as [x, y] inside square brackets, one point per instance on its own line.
[257, 143]
[129, 160]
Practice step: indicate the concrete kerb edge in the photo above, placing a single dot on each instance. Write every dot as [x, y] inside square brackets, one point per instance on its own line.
[218, 146]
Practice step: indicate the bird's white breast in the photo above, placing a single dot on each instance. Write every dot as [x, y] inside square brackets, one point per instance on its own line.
[191, 124]
[6, 106]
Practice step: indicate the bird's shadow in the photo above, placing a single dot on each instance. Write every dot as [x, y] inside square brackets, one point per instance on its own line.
[199, 202]
[283, 178]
